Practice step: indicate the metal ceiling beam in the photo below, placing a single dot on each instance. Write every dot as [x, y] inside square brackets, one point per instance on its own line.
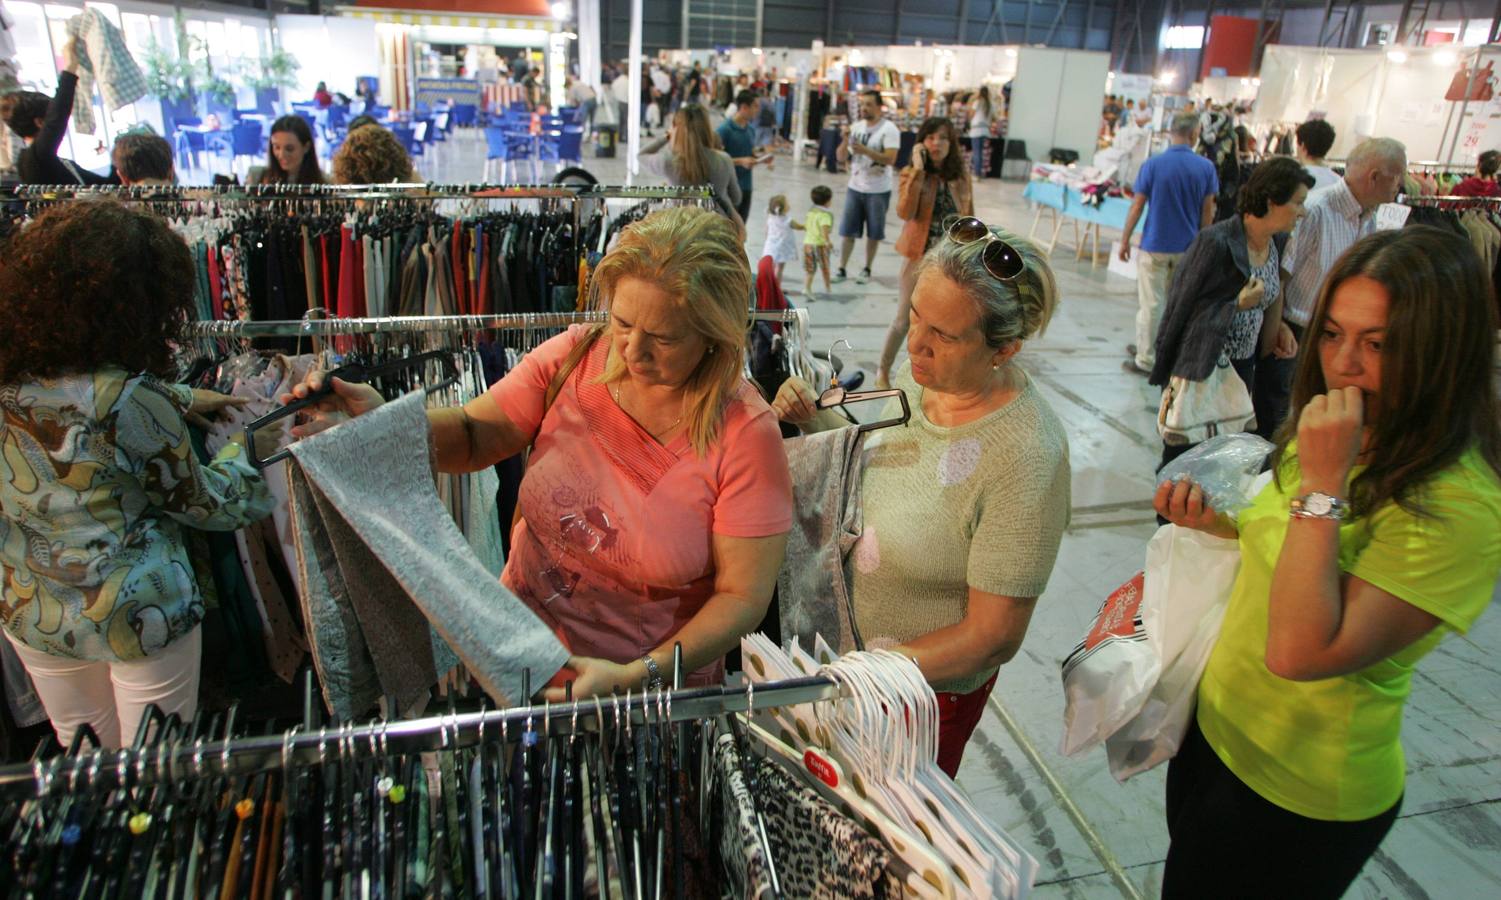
[1057, 20]
[1089, 24]
[964, 20]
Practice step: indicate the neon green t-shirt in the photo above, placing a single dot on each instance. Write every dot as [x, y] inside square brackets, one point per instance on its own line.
[1331, 749]
[818, 226]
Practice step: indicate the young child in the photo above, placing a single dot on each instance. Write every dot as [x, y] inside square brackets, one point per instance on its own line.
[819, 224]
[781, 243]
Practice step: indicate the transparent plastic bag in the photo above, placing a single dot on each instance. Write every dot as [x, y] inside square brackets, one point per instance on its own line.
[1223, 467]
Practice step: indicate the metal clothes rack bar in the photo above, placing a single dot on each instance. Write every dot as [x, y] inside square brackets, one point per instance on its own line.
[178, 194]
[1421, 199]
[420, 324]
[235, 756]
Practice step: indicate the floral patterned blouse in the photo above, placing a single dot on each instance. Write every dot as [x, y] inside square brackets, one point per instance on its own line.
[97, 480]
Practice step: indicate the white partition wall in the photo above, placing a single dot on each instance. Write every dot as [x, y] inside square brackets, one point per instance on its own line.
[331, 49]
[1056, 100]
[1380, 92]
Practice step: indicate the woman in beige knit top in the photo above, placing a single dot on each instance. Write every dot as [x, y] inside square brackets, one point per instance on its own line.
[963, 510]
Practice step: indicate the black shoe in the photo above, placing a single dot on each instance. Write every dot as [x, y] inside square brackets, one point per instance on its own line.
[840, 276]
[1131, 350]
[852, 382]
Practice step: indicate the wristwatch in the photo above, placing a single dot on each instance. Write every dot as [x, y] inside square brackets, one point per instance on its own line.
[653, 673]
[1318, 505]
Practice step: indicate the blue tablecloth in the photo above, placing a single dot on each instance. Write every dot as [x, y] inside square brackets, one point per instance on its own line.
[1111, 214]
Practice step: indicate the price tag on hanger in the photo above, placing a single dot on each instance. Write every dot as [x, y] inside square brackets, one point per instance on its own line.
[1391, 216]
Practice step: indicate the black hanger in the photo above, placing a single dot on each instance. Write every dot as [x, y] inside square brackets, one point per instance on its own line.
[836, 396]
[354, 372]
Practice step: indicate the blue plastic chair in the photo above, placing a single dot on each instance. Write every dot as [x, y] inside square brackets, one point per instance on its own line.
[244, 139]
[565, 146]
[187, 144]
[497, 147]
[464, 114]
[338, 117]
[408, 137]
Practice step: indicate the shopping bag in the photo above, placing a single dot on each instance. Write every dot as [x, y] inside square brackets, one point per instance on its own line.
[1195, 411]
[1189, 577]
[1107, 677]
[1125, 683]
[1474, 86]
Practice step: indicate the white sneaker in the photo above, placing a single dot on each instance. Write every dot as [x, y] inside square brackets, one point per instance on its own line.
[863, 277]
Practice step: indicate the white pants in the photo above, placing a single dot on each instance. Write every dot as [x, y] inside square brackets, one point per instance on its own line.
[1154, 272]
[112, 696]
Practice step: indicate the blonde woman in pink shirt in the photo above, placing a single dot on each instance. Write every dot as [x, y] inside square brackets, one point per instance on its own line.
[656, 501]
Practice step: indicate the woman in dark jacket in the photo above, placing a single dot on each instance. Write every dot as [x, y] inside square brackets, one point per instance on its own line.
[1226, 297]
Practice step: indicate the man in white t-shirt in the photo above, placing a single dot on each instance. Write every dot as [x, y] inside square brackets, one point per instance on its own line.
[1315, 138]
[870, 148]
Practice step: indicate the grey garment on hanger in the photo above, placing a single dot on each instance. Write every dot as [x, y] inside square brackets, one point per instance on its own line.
[20, 693]
[813, 588]
[390, 583]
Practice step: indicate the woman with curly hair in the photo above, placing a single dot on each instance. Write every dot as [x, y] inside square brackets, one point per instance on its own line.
[372, 155]
[97, 473]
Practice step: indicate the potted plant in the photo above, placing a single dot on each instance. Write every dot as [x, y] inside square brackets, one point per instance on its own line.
[268, 75]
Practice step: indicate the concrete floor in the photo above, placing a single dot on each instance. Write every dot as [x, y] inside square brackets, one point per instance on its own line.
[1094, 837]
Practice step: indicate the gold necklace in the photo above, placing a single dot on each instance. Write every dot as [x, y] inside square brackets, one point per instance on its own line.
[666, 430]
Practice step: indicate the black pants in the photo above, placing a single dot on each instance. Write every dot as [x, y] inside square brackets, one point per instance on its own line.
[1228, 841]
[1272, 389]
[744, 206]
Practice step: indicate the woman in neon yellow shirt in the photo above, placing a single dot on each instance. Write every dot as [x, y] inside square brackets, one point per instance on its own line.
[1380, 533]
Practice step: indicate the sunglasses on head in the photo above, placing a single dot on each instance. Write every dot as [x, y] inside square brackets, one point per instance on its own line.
[1001, 259]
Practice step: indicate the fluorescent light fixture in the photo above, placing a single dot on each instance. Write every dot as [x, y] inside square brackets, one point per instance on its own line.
[1167, 78]
[1010, 51]
[1245, 81]
[756, 51]
[1396, 56]
[1256, 82]
[1446, 57]
[560, 11]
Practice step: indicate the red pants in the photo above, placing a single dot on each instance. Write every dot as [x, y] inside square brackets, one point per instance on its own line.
[958, 714]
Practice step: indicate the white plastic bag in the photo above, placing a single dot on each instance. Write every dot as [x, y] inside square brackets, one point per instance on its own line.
[1108, 676]
[1132, 681]
[1189, 578]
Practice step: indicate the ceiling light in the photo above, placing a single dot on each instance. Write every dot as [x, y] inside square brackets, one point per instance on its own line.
[560, 11]
[1396, 56]
[1446, 57]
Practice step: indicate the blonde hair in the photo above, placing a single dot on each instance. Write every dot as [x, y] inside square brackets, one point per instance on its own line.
[692, 140]
[777, 206]
[695, 256]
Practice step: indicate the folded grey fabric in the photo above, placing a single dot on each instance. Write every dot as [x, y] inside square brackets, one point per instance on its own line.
[389, 583]
[813, 593]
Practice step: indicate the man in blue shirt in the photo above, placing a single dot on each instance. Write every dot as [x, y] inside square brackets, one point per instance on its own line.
[739, 139]
[1181, 186]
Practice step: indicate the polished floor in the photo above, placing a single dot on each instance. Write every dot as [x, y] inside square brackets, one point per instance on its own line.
[1093, 836]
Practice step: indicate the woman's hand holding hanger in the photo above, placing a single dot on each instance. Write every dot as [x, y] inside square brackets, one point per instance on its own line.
[347, 401]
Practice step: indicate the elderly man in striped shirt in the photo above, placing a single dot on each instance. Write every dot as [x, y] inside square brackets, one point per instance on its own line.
[1338, 216]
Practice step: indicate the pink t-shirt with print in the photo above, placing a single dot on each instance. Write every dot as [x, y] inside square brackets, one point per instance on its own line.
[614, 546]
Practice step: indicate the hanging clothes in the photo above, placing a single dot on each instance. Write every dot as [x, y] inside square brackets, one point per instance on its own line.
[381, 561]
[813, 587]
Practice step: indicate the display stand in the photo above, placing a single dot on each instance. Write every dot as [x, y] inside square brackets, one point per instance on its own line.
[1064, 203]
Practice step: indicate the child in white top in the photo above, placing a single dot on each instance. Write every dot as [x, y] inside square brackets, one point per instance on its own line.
[781, 243]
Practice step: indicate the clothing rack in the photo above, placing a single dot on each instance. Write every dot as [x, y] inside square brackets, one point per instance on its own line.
[415, 191]
[232, 328]
[1423, 200]
[304, 746]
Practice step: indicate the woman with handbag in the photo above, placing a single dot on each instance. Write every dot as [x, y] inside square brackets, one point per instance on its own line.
[1224, 309]
[934, 191]
[656, 500]
[1379, 534]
